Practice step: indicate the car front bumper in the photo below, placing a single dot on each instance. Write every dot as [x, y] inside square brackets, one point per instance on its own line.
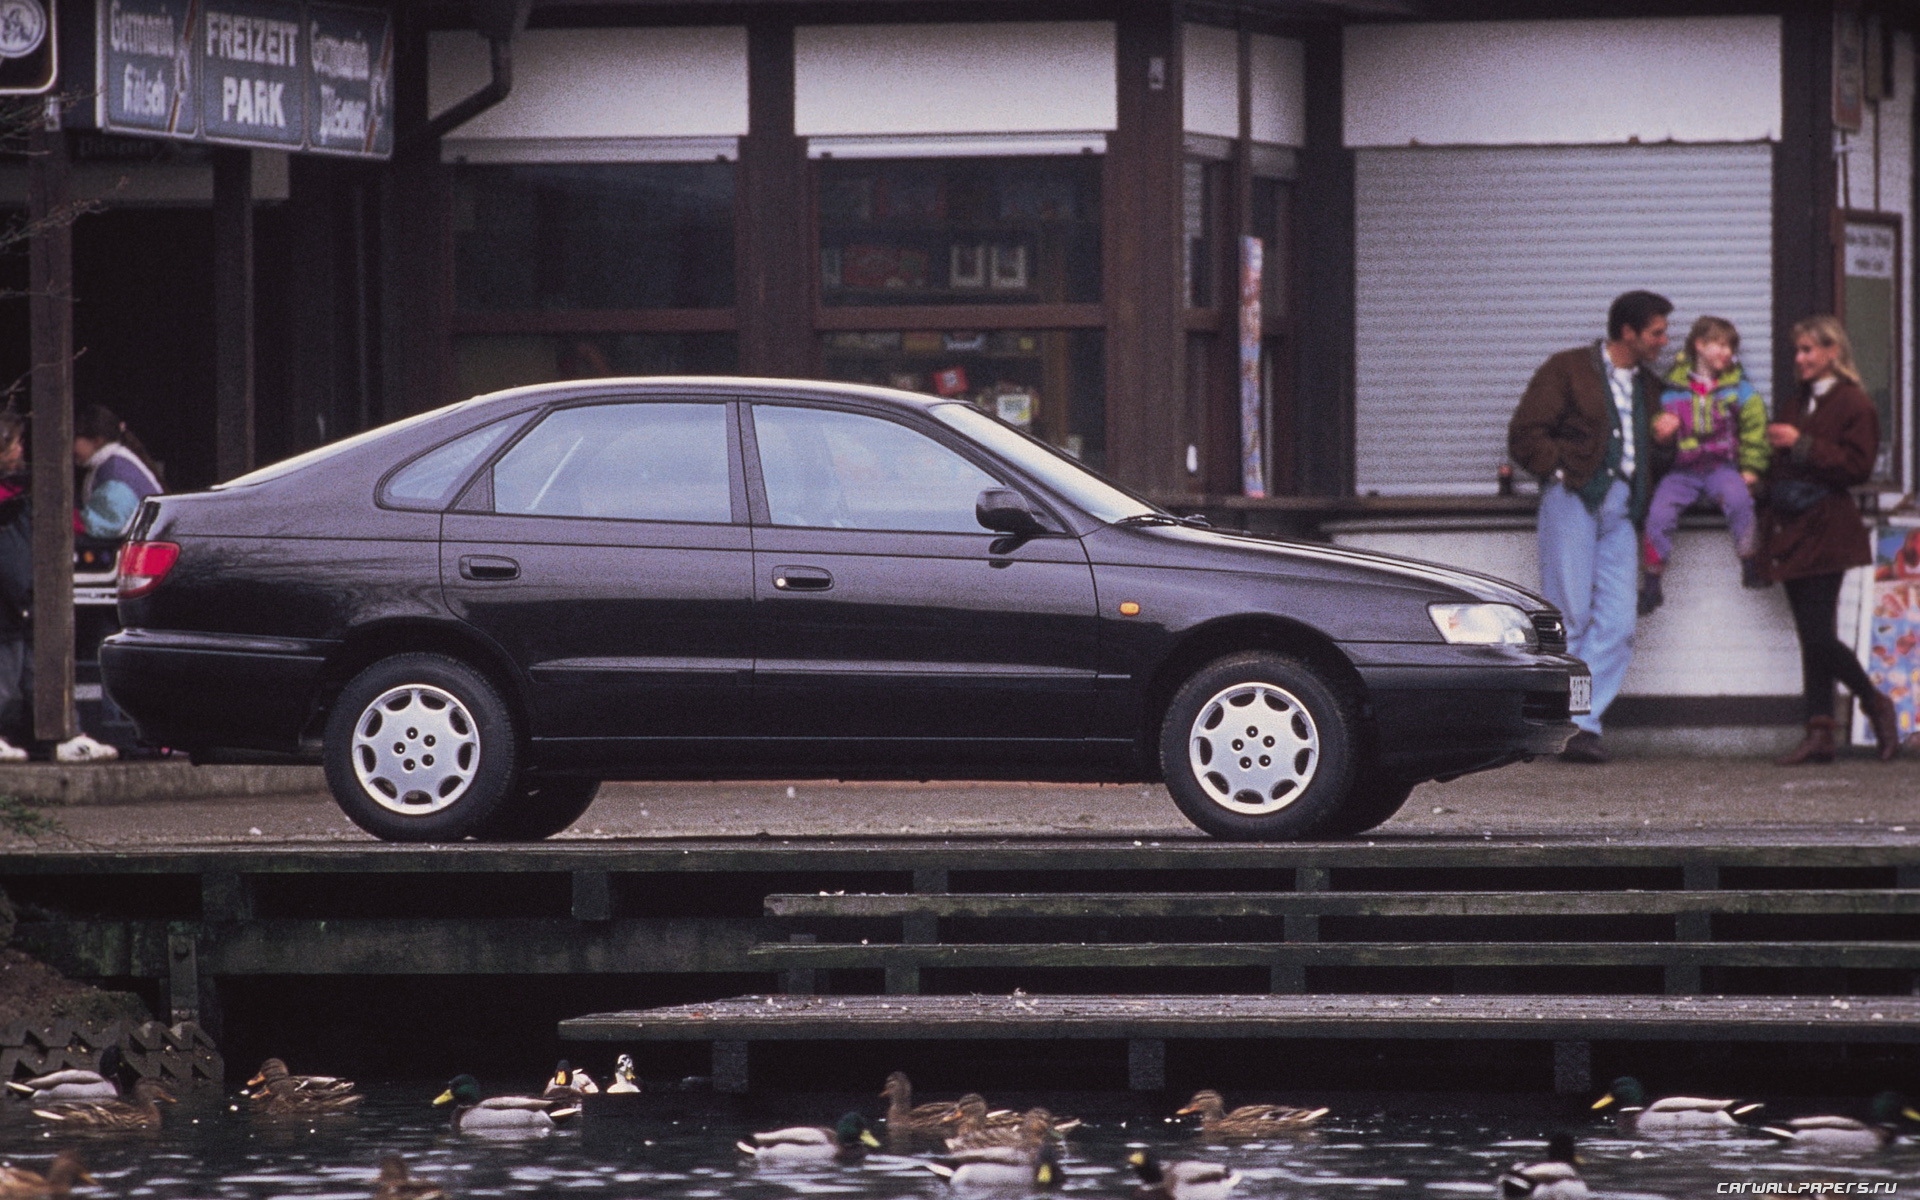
[1439, 711]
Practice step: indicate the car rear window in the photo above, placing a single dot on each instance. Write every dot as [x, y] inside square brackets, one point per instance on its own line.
[428, 482]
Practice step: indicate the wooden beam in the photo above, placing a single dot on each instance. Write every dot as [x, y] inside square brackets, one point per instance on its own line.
[774, 270]
[1805, 191]
[1322, 421]
[233, 324]
[50, 314]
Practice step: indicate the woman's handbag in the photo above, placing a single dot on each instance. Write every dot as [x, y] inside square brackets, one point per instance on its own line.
[1791, 498]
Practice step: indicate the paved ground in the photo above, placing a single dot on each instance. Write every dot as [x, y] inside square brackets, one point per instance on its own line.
[1630, 797]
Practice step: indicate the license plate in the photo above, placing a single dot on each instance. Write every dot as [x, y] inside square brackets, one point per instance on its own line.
[1579, 695]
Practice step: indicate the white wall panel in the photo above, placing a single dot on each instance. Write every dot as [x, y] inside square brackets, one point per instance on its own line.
[600, 83]
[1025, 77]
[1491, 83]
[1279, 91]
[1473, 265]
[1210, 76]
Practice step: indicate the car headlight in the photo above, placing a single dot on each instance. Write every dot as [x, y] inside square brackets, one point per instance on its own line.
[1482, 624]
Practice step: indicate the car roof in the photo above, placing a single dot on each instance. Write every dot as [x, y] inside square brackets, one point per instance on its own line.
[733, 386]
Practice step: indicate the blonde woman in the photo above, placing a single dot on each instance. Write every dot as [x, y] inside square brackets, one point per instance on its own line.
[1824, 440]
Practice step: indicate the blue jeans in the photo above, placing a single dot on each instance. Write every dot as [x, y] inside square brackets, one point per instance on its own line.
[1590, 571]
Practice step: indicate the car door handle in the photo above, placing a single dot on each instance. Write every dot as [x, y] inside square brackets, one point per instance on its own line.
[488, 566]
[801, 579]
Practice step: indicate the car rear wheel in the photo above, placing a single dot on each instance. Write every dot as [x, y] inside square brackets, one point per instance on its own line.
[1258, 747]
[421, 748]
[538, 809]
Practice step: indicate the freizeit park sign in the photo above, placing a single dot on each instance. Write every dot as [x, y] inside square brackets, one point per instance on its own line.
[282, 74]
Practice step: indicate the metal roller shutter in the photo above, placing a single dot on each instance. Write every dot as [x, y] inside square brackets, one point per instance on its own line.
[1474, 264]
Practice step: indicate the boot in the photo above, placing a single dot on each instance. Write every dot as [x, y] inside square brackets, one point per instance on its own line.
[1885, 717]
[1818, 746]
[1651, 596]
[1753, 574]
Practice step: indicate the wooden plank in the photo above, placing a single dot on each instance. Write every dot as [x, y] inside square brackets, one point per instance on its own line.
[1825, 901]
[1886, 955]
[1557, 1018]
[50, 214]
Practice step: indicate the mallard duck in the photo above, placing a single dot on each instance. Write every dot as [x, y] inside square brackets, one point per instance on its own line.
[570, 1084]
[397, 1184]
[273, 1077]
[1672, 1113]
[499, 1114]
[74, 1083]
[1034, 1128]
[1181, 1180]
[282, 1095]
[142, 1112]
[623, 1081]
[1846, 1134]
[998, 1167]
[1249, 1120]
[1007, 1118]
[1556, 1177]
[846, 1141]
[934, 1119]
[18, 1183]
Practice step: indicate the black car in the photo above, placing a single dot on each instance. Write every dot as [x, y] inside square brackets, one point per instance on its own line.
[473, 616]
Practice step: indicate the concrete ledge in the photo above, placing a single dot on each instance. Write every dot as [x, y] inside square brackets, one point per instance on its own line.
[143, 782]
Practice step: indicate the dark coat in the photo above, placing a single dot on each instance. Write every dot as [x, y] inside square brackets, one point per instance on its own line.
[1566, 416]
[1837, 446]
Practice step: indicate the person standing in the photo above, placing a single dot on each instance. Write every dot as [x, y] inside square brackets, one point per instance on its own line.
[1590, 427]
[1824, 441]
[120, 474]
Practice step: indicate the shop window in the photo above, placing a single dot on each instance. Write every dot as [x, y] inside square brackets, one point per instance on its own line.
[487, 363]
[1050, 383]
[960, 231]
[557, 236]
[1201, 191]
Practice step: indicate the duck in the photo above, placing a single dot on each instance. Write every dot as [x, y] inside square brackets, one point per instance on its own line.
[283, 1095]
[934, 1119]
[1035, 1128]
[18, 1183]
[499, 1114]
[1181, 1180]
[623, 1081]
[570, 1084]
[1846, 1134]
[1672, 1113]
[1556, 1177]
[1001, 1168]
[273, 1076]
[846, 1141]
[397, 1183]
[142, 1112]
[74, 1083]
[1249, 1120]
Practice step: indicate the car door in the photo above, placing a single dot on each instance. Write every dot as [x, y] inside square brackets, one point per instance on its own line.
[607, 551]
[886, 611]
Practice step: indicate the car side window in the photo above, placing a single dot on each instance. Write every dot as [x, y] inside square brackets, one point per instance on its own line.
[428, 481]
[840, 470]
[630, 462]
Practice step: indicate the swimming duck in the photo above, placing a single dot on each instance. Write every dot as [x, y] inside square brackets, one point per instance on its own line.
[1249, 1120]
[273, 1077]
[1034, 1128]
[101, 1083]
[142, 1112]
[930, 1120]
[499, 1114]
[397, 1184]
[18, 1183]
[1556, 1177]
[1846, 1134]
[1672, 1113]
[846, 1141]
[1181, 1180]
[282, 1095]
[570, 1084]
[623, 1082]
[1001, 1167]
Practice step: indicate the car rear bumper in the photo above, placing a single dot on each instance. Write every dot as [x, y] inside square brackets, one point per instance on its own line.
[202, 690]
[1446, 716]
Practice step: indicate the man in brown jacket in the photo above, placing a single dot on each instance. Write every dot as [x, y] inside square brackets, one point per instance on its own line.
[1587, 427]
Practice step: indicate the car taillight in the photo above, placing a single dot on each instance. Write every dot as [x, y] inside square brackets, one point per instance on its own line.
[143, 565]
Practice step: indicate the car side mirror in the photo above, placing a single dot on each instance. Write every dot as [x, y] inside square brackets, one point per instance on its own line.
[1005, 510]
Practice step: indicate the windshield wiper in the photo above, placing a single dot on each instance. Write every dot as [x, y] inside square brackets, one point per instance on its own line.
[1195, 522]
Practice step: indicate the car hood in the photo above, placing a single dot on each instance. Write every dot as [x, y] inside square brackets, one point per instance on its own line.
[1231, 550]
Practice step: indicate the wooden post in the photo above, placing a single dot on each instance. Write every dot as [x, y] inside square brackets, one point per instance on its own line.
[232, 311]
[592, 896]
[50, 313]
[1322, 419]
[773, 208]
[183, 973]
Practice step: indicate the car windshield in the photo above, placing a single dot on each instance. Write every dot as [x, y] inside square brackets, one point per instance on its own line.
[1092, 494]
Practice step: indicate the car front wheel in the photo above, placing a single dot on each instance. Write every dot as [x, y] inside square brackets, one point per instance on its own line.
[1258, 747]
[538, 809]
[421, 748]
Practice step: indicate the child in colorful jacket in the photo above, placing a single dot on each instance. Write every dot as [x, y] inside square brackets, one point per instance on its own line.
[1721, 451]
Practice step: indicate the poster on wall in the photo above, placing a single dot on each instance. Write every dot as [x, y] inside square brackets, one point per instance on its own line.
[1870, 306]
[1892, 644]
[1253, 469]
[29, 57]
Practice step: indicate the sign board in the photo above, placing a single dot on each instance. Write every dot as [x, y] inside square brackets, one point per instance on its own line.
[29, 65]
[279, 74]
[1870, 306]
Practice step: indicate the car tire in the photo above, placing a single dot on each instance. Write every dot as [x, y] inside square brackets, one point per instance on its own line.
[1372, 800]
[1259, 747]
[421, 748]
[539, 809]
